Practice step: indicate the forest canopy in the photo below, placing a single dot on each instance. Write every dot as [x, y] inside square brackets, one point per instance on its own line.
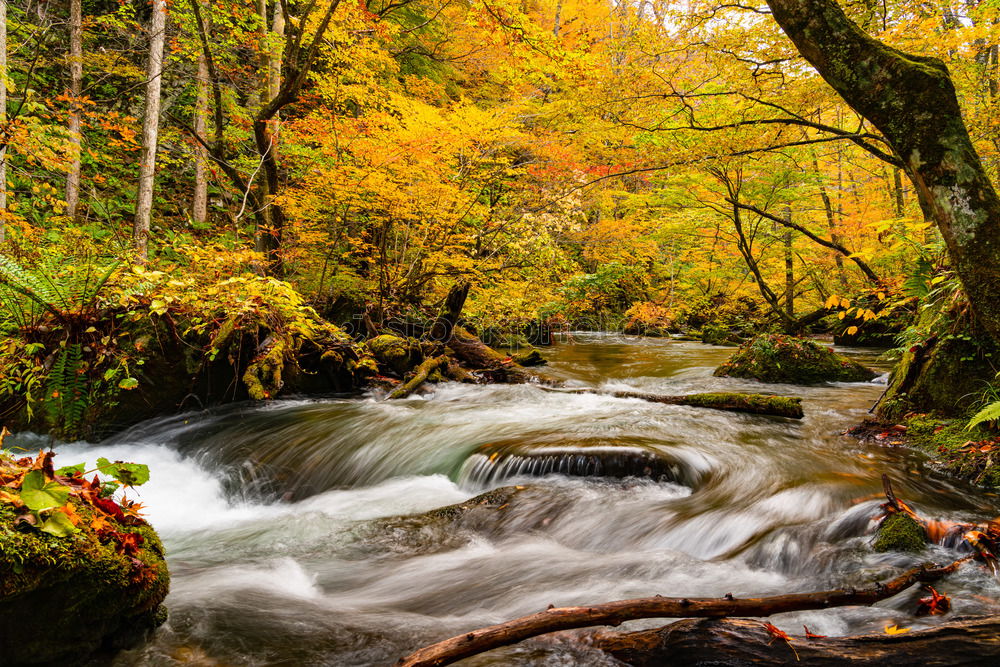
[650, 166]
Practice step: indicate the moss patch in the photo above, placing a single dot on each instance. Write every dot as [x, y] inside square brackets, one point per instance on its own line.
[786, 406]
[778, 358]
[900, 532]
[528, 357]
[399, 355]
[714, 334]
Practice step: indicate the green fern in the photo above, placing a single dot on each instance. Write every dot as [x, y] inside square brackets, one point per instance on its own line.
[990, 413]
[66, 387]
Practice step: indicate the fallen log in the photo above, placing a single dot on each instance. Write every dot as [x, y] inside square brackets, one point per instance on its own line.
[478, 355]
[419, 376]
[745, 642]
[758, 404]
[615, 613]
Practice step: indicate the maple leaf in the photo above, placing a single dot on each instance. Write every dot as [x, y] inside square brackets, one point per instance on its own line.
[894, 630]
[778, 633]
[934, 604]
[810, 635]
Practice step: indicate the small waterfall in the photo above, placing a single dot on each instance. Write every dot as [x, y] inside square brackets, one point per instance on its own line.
[496, 463]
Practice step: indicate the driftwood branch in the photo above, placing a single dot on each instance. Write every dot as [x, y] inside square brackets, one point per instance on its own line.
[419, 377]
[615, 613]
[758, 404]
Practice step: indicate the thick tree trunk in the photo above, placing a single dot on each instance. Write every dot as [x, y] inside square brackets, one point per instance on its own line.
[450, 312]
[150, 129]
[75, 90]
[742, 642]
[912, 101]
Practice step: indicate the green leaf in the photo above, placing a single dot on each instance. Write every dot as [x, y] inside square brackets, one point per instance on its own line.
[59, 525]
[69, 471]
[39, 495]
[128, 383]
[129, 474]
[990, 413]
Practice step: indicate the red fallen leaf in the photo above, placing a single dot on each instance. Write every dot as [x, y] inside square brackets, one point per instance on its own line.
[778, 633]
[934, 604]
[810, 635]
[109, 507]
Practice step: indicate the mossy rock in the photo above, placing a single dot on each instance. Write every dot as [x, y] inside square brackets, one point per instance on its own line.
[398, 354]
[779, 358]
[71, 599]
[900, 532]
[712, 334]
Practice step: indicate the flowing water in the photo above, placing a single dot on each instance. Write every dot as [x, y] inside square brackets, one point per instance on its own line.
[275, 517]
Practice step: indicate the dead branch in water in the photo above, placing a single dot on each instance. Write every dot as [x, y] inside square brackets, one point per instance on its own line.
[615, 613]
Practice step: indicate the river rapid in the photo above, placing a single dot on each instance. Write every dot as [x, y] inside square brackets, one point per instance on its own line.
[267, 512]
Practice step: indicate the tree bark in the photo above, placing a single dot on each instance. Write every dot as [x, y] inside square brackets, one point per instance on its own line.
[75, 90]
[420, 376]
[452, 310]
[616, 613]
[912, 101]
[150, 129]
[199, 202]
[743, 642]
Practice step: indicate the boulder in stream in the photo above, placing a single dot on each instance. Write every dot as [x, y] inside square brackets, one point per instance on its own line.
[900, 532]
[780, 358]
[80, 578]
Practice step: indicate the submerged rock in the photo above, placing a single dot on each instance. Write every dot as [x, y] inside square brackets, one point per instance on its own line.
[778, 358]
[501, 461]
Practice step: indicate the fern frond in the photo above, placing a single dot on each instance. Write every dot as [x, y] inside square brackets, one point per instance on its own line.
[988, 414]
[25, 282]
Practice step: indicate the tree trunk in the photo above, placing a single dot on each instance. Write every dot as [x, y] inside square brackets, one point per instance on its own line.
[150, 129]
[75, 90]
[912, 101]
[789, 267]
[199, 203]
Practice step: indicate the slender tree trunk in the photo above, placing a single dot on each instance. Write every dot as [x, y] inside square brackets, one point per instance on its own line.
[789, 267]
[150, 129]
[831, 222]
[274, 63]
[912, 101]
[75, 90]
[3, 120]
[199, 203]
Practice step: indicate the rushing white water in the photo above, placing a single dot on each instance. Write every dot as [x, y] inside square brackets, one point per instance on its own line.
[284, 537]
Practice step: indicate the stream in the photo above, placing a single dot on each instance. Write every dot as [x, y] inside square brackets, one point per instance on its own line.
[272, 515]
